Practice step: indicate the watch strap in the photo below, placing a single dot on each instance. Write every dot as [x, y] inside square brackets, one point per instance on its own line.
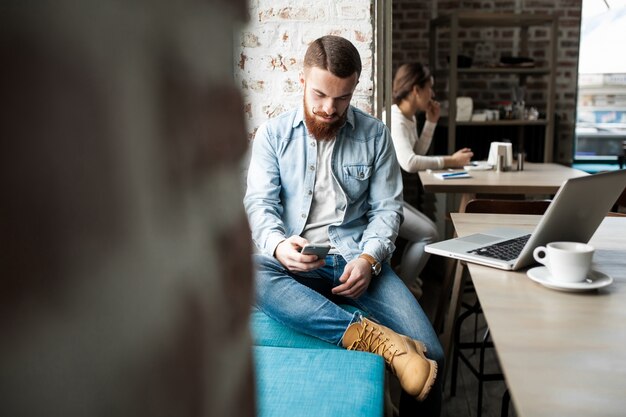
[376, 267]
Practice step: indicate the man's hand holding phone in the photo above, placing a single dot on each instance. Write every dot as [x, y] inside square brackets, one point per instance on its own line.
[318, 250]
[291, 255]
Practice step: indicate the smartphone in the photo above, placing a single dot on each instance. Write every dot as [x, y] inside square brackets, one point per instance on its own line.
[313, 249]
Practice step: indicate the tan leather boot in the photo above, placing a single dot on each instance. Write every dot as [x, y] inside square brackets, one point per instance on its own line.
[404, 356]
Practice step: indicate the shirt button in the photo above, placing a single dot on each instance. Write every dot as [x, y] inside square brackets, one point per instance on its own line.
[303, 216]
[361, 175]
[310, 192]
[312, 167]
[313, 143]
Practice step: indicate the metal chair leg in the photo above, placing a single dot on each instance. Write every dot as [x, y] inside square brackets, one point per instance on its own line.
[506, 399]
[481, 373]
[471, 310]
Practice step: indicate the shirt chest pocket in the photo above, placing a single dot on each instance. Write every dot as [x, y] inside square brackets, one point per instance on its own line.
[356, 179]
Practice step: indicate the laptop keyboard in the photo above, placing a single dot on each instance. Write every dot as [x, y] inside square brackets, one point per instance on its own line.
[506, 251]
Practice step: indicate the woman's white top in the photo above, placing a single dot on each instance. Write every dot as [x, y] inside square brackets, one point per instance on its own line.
[410, 148]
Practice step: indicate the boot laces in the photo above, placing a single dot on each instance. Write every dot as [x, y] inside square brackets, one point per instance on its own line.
[371, 339]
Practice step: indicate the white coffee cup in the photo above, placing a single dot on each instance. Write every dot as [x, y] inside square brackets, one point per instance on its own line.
[567, 261]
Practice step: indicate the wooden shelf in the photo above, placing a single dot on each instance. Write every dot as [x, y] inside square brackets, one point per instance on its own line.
[498, 70]
[452, 23]
[511, 122]
[487, 19]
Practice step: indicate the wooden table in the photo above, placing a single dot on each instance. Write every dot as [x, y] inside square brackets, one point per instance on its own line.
[535, 179]
[562, 354]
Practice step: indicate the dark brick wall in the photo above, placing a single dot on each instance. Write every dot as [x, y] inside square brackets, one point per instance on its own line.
[411, 21]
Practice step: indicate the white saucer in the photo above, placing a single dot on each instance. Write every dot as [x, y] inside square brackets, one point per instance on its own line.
[595, 280]
[478, 166]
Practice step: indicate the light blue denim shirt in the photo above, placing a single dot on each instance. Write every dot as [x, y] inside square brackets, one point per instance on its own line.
[281, 179]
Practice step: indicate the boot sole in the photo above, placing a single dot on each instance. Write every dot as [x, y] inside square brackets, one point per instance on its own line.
[432, 375]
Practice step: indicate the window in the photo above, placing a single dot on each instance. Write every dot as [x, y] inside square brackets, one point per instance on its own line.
[601, 108]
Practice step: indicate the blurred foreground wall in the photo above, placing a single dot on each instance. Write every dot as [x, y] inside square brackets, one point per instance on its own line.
[124, 251]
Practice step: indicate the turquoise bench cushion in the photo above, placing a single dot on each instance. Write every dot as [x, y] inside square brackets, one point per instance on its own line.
[268, 332]
[318, 382]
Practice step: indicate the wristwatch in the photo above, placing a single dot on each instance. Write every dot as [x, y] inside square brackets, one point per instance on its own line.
[376, 267]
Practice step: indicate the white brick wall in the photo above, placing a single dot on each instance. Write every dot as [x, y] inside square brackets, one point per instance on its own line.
[271, 48]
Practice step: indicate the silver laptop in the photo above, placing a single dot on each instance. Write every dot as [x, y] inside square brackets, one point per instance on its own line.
[575, 213]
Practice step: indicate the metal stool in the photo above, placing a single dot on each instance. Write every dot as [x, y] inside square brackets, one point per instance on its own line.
[458, 353]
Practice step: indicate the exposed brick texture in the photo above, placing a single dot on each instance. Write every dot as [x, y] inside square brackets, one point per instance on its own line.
[272, 46]
[411, 20]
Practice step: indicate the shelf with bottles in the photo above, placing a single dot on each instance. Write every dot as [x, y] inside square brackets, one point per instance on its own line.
[512, 122]
[449, 65]
[537, 71]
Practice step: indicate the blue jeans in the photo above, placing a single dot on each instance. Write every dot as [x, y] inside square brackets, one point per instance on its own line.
[304, 302]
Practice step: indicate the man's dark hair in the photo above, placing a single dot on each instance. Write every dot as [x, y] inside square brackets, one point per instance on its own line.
[408, 76]
[335, 54]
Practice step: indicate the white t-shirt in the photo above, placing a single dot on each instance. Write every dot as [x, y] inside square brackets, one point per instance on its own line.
[326, 197]
[410, 149]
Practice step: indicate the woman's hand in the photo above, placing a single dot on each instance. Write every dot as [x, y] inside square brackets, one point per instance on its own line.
[459, 159]
[433, 111]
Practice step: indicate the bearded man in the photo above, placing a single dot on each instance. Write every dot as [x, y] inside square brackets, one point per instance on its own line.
[327, 174]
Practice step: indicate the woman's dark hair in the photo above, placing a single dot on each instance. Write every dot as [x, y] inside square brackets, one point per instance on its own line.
[408, 76]
[335, 54]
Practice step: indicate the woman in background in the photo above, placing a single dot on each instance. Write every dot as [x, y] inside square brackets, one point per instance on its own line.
[413, 92]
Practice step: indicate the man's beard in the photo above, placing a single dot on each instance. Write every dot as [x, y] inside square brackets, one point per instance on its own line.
[321, 130]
